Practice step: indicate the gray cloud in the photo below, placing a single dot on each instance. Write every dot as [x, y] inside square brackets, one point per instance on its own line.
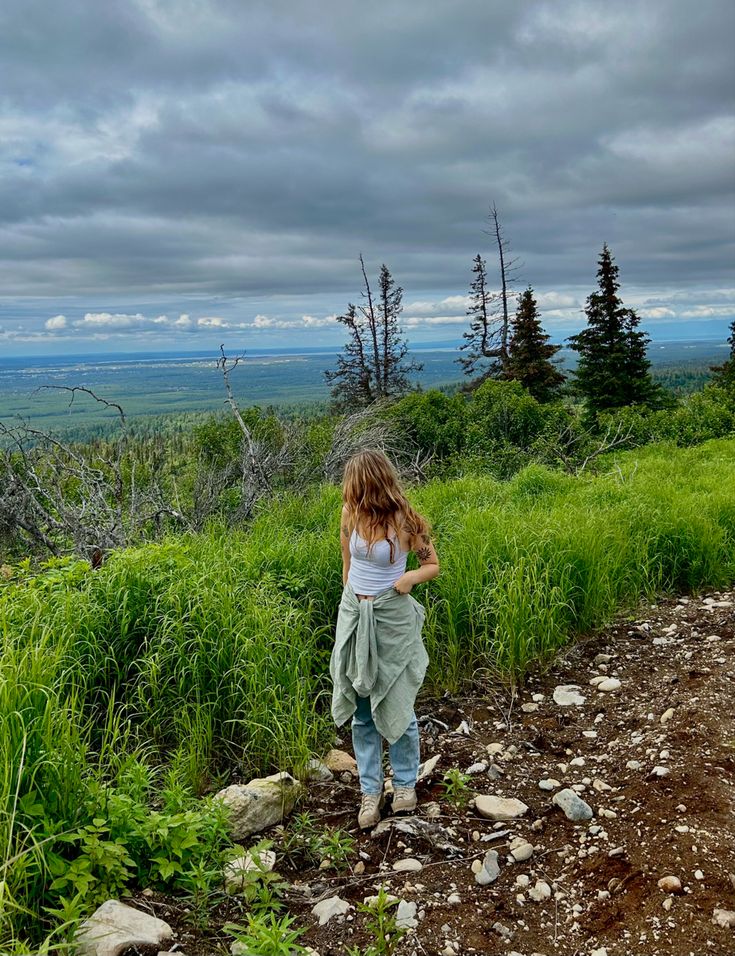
[246, 153]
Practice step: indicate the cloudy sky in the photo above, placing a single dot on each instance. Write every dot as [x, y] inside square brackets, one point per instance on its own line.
[176, 173]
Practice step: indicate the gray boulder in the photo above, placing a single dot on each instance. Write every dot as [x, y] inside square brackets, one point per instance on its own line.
[115, 927]
[260, 804]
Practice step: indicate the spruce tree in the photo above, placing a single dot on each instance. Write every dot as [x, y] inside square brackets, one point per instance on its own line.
[529, 353]
[613, 369]
[725, 373]
[372, 365]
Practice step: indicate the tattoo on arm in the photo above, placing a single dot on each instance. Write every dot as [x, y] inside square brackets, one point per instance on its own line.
[423, 554]
[345, 531]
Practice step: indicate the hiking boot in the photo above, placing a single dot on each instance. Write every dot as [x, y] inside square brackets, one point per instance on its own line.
[370, 807]
[404, 800]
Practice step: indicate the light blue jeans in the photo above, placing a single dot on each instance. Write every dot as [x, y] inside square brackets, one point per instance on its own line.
[368, 746]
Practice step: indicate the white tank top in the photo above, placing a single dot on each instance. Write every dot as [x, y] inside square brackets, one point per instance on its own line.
[372, 573]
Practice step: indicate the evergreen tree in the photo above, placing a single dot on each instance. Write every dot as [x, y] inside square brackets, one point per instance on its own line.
[613, 369]
[529, 354]
[484, 338]
[725, 373]
[372, 364]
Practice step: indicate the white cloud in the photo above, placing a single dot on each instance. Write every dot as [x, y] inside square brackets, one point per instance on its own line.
[657, 312]
[451, 305]
[106, 320]
[55, 323]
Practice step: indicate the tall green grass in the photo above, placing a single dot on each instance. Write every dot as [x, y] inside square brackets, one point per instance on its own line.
[207, 655]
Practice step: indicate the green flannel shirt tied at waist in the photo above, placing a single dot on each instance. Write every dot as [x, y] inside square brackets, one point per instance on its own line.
[378, 653]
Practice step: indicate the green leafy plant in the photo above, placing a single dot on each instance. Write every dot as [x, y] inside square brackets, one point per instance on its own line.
[266, 935]
[456, 787]
[381, 924]
[306, 842]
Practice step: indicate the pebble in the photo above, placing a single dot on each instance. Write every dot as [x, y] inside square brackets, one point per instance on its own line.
[549, 784]
[567, 694]
[409, 865]
[575, 809]
[521, 850]
[406, 915]
[332, 906]
[454, 899]
[698, 875]
[667, 903]
[479, 767]
[359, 867]
[609, 684]
[489, 870]
[634, 765]
[540, 892]
[660, 771]
[670, 884]
[724, 918]
[499, 808]
[529, 708]
[667, 715]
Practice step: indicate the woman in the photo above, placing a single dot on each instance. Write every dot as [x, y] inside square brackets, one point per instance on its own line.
[379, 660]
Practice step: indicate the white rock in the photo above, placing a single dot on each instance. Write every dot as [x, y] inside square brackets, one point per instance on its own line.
[454, 899]
[409, 865]
[634, 765]
[670, 884]
[406, 915]
[428, 767]
[490, 869]
[332, 906]
[724, 918]
[567, 694]
[661, 771]
[540, 892]
[667, 715]
[549, 784]
[115, 927]
[499, 808]
[610, 684]
[523, 851]
[529, 708]
[479, 767]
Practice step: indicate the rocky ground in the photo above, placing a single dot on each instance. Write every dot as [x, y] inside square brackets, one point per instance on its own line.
[634, 729]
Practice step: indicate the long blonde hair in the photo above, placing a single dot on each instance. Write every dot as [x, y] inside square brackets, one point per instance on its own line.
[375, 501]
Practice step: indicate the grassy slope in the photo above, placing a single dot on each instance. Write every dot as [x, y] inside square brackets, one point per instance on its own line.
[211, 652]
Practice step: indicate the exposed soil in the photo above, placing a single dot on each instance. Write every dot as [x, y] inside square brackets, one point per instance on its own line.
[603, 873]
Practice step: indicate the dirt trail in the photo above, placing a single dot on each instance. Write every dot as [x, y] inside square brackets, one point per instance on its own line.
[674, 656]
[653, 758]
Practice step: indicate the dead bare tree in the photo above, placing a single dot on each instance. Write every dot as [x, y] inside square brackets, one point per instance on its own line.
[486, 341]
[574, 450]
[60, 498]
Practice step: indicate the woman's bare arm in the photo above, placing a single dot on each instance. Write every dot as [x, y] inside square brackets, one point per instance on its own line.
[423, 547]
